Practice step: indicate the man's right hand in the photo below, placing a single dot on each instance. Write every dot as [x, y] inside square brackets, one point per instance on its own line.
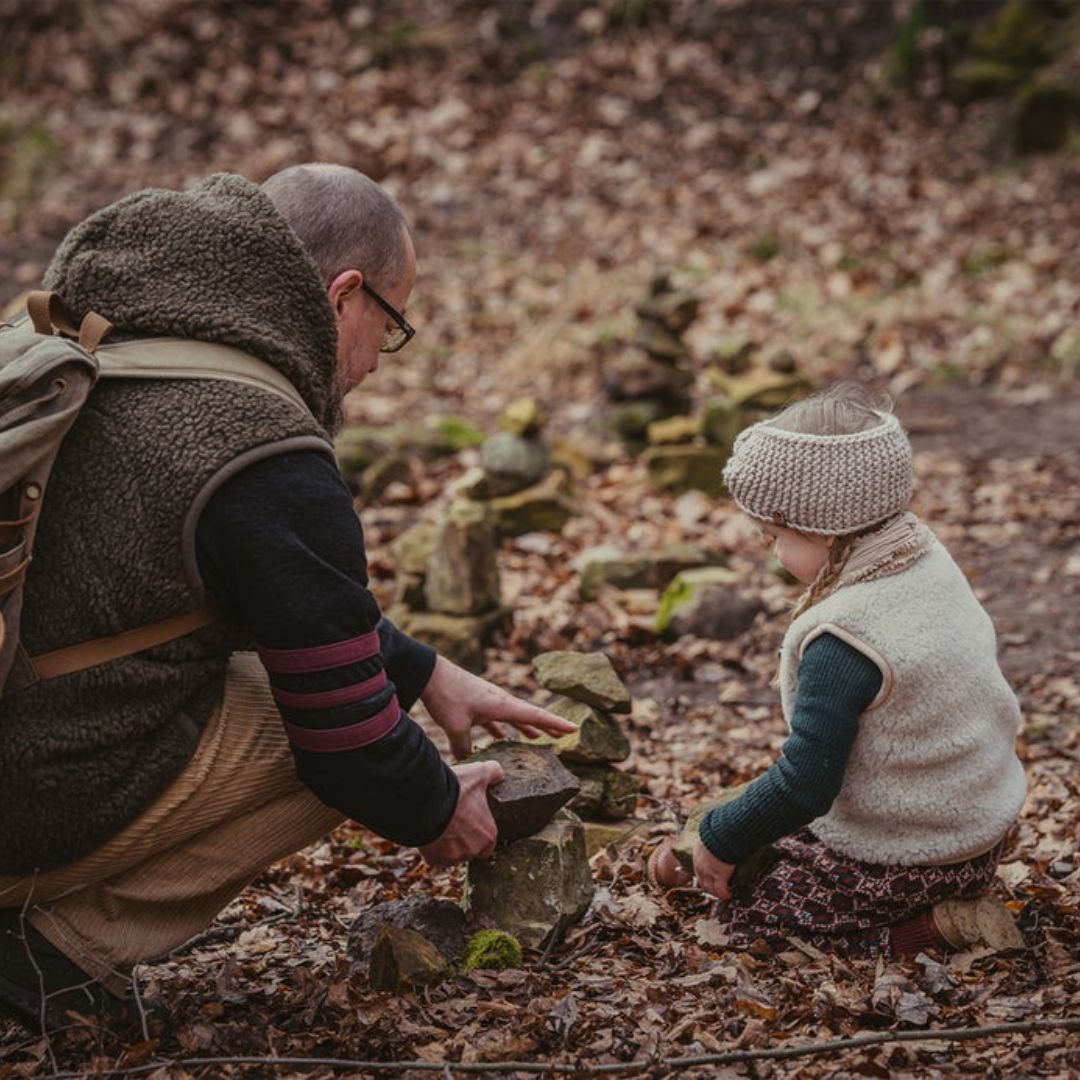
[471, 833]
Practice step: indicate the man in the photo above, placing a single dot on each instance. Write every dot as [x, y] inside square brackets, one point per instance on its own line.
[140, 796]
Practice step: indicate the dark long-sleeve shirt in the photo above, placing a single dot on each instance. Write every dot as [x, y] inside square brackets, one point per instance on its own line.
[836, 684]
[281, 550]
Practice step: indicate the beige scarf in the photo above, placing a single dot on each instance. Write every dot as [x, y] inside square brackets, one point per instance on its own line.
[887, 550]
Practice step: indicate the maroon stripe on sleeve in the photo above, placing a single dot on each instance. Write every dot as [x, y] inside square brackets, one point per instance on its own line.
[328, 699]
[322, 657]
[335, 740]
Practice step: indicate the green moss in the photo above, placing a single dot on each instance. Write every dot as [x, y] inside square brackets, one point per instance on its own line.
[459, 434]
[765, 247]
[491, 950]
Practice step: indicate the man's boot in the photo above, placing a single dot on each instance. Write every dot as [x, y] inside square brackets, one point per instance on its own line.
[39, 985]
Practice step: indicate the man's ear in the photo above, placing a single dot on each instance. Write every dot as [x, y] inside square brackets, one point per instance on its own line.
[344, 285]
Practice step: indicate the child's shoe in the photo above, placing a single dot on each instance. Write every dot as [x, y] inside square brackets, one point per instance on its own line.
[663, 871]
[983, 920]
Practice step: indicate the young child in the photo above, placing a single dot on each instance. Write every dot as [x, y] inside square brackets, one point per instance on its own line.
[900, 777]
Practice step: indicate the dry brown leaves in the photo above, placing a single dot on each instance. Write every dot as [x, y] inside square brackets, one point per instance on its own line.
[553, 158]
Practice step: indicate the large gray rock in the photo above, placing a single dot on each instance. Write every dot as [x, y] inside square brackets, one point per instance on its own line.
[703, 602]
[462, 573]
[441, 922]
[531, 887]
[512, 462]
[536, 786]
[587, 677]
[599, 738]
[411, 552]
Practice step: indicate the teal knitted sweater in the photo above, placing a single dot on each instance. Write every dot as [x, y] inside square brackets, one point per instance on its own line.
[836, 684]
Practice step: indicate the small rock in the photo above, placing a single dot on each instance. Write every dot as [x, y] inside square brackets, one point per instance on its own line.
[587, 677]
[606, 793]
[460, 638]
[403, 960]
[681, 468]
[532, 887]
[491, 950]
[511, 462]
[440, 922]
[632, 377]
[523, 417]
[599, 738]
[683, 849]
[462, 574]
[733, 355]
[674, 310]
[544, 507]
[673, 431]
[536, 786]
[660, 343]
[763, 390]
[630, 421]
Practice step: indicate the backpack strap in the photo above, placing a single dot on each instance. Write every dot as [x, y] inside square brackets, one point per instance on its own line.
[48, 310]
[89, 654]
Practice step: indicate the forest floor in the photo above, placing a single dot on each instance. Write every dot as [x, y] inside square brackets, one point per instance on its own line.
[552, 164]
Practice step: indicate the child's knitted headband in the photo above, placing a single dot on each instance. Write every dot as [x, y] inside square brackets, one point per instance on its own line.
[829, 484]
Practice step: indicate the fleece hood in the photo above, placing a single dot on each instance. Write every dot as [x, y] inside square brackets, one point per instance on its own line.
[216, 263]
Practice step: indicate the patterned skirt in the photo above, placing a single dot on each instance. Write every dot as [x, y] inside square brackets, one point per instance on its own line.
[833, 902]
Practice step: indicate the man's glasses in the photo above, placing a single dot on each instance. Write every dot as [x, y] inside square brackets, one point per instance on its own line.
[400, 334]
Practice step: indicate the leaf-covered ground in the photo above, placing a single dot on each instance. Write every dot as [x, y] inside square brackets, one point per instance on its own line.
[555, 156]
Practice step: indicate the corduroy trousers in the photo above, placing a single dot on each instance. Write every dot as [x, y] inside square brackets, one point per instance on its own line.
[237, 807]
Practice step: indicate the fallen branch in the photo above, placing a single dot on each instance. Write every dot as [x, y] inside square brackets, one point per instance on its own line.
[732, 1057]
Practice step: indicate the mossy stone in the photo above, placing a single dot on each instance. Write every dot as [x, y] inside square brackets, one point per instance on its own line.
[587, 677]
[599, 738]
[491, 950]
[686, 468]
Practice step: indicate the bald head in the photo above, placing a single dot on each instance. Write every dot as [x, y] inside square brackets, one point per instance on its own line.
[344, 220]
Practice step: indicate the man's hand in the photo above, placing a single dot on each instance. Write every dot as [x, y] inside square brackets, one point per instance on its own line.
[712, 875]
[471, 833]
[457, 700]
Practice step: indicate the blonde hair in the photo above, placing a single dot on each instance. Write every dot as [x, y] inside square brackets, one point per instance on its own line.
[843, 409]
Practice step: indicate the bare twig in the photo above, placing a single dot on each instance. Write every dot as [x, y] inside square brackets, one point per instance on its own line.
[579, 1068]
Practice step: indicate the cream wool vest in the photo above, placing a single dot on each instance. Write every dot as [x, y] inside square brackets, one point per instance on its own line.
[933, 776]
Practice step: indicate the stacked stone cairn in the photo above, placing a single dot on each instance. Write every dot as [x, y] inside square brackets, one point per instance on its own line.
[515, 480]
[448, 584]
[653, 382]
[591, 696]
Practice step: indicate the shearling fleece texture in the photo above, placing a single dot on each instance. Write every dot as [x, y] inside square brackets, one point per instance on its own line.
[81, 756]
[933, 776]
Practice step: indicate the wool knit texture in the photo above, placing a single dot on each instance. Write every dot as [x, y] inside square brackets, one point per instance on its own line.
[827, 484]
[933, 776]
[82, 755]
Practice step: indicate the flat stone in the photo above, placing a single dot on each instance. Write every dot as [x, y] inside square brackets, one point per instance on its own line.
[462, 573]
[685, 468]
[660, 343]
[403, 960]
[587, 677]
[763, 390]
[599, 739]
[544, 507]
[673, 431]
[602, 834]
[606, 793]
[651, 570]
[440, 922]
[512, 462]
[536, 886]
[674, 310]
[536, 786]
[633, 377]
[460, 638]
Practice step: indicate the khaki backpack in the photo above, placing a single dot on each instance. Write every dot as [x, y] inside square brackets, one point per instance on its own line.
[48, 368]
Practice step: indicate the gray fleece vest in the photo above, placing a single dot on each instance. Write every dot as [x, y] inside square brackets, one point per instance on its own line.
[82, 755]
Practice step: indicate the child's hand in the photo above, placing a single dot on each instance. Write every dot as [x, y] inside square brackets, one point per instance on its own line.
[712, 874]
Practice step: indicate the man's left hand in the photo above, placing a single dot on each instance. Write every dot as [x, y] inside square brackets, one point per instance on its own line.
[458, 700]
